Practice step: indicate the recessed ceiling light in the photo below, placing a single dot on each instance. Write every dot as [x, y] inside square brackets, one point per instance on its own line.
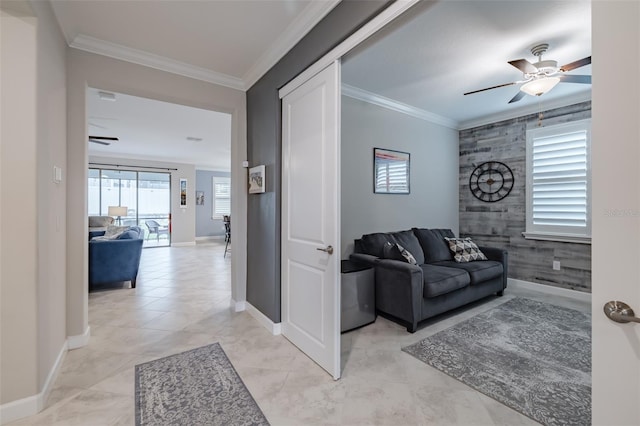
[193, 139]
[107, 96]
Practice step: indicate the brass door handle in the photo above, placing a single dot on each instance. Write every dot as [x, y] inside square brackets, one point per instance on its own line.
[620, 312]
[329, 249]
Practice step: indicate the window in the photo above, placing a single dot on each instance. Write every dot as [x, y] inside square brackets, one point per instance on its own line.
[221, 197]
[558, 182]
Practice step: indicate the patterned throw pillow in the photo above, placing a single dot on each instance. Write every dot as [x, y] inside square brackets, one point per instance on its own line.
[397, 252]
[464, 250]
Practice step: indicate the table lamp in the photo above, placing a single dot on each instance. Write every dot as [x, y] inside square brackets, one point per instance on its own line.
[117, 211]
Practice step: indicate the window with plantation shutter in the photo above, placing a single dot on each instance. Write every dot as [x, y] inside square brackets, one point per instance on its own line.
[558, 182]
[221, 197]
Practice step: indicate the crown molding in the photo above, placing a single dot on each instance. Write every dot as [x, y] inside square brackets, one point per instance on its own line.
[117, 51]
[526, 110]
[372, 98]
[295, 31]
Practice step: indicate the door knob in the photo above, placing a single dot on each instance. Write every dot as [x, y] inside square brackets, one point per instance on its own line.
[329, 249]
[620, 312]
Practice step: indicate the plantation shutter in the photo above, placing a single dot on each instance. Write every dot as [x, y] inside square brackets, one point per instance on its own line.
[392, 177]
[221, 197]
[560, 181]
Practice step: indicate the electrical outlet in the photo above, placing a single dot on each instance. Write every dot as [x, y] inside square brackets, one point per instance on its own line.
[556, 265]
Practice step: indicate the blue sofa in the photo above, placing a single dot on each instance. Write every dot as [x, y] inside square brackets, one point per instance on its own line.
[411, 293]
[115, 260]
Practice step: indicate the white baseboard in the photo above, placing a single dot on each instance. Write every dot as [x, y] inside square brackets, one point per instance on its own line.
[544, 288]
[238, 306]
[75, 342]
[274, 328]
[32, 405]
[185, 244]
[210, 238]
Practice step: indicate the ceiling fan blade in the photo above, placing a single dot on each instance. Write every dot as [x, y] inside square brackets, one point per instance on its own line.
[489, 88]
[584, 79]
[517, 97]
[576, 64]
[102, 140]
[524, 66]
[106, 138]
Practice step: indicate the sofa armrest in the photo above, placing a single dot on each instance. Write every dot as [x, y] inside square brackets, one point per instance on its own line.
[114, 260]
[499, 255]
[399, 288]
[363, 259]
[93, 234]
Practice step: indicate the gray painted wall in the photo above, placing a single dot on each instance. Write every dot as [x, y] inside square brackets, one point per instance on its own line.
[206, 226]
[501, 224]
[433, 201]
[264, 147]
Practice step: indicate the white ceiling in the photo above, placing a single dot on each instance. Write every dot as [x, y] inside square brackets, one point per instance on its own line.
[155, 130]
[229, 42]
[425, 61]
[441, 50]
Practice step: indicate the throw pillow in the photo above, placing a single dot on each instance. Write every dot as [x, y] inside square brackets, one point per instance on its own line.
[464, 250]
[114, 232]
[129, 234]
[397, 252]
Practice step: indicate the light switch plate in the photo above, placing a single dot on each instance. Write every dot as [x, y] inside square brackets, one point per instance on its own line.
[57, 174]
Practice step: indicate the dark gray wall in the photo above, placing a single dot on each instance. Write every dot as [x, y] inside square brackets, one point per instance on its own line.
[433, 201]
[501, 224]
[264, 147]
[205, 225]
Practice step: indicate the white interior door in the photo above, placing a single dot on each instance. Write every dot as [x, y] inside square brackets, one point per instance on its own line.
[310, 219]
[616, 209]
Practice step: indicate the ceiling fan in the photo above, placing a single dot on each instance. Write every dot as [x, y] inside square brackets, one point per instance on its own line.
[103, 140]
[542, 76]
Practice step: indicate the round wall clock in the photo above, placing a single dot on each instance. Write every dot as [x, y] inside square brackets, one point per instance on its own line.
[491, 181]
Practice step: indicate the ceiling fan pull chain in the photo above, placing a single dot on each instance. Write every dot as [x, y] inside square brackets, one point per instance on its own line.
[540, 115]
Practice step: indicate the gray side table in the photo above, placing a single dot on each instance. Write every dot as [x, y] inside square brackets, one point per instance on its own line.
[358, 297]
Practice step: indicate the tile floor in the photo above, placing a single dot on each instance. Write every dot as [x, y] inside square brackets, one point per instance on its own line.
[182, 302]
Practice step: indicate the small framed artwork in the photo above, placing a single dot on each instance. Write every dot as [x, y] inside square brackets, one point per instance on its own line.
[199, 198]
[390, 171]
[256, 180]
[183, 193]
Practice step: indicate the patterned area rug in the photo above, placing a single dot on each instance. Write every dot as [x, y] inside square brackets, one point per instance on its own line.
[531, 356]
[197, 387]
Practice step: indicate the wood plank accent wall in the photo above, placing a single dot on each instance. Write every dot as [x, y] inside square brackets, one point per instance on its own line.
[502, 223]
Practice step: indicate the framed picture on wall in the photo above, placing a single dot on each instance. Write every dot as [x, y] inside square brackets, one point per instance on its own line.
[256, 180]
[199, 198]
[390, 171]
[183, 193]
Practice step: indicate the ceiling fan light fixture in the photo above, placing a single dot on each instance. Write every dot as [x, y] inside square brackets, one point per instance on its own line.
[540, 86]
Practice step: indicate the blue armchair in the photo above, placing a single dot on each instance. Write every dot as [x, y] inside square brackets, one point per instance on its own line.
[116, 260]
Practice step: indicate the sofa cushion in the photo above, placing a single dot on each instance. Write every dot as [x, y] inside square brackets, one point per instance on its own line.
[478, 271]
[397, 252]
[373, 244]
[434, 247]
[464, 250]
[409, 241]
[440, 280]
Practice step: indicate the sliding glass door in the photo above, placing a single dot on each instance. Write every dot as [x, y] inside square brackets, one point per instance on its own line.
[146, 196]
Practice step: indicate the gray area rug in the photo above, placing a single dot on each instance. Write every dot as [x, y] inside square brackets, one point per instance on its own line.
[197, 387]
[531, 356]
